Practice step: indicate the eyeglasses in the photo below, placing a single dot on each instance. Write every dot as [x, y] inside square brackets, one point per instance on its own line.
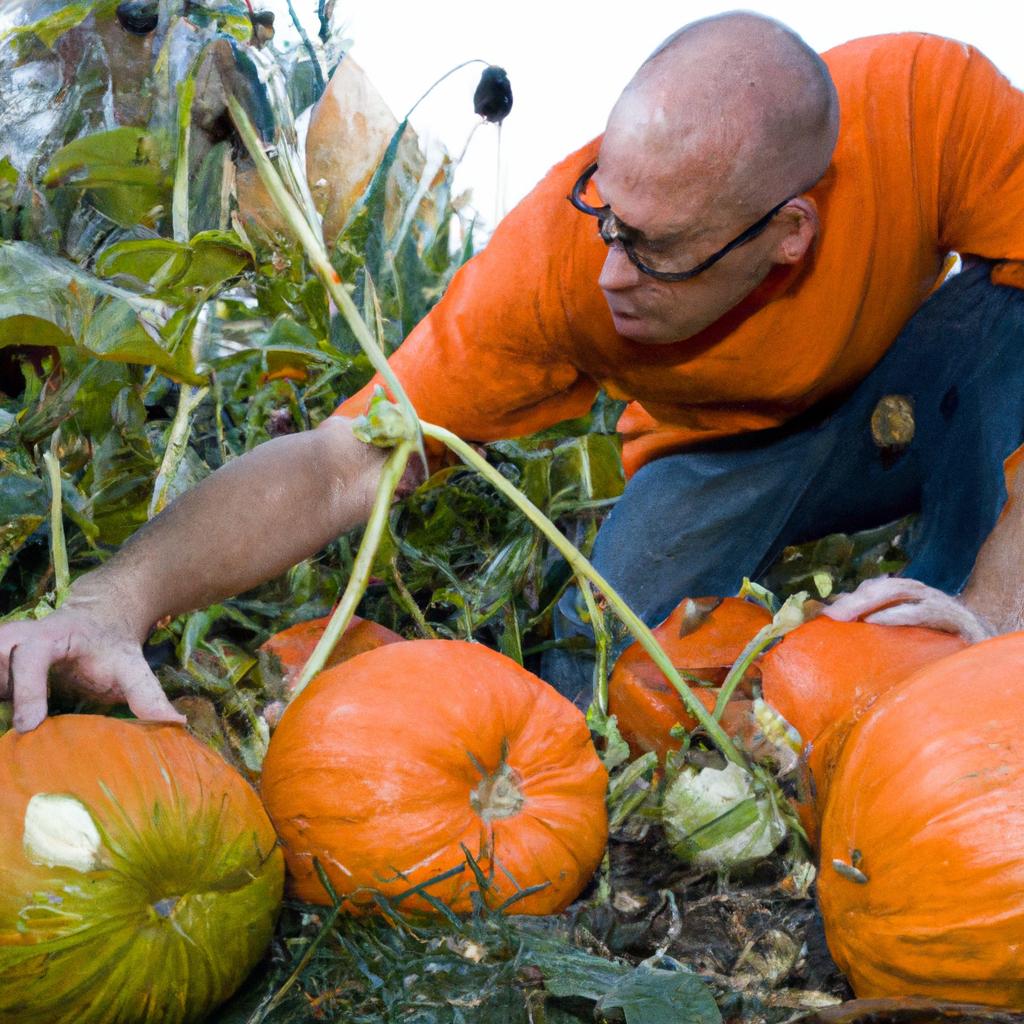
[613, 230]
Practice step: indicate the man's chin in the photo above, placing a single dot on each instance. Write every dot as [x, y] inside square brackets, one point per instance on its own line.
[642, 330]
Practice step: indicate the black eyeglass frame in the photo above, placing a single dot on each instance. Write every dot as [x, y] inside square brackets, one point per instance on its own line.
[610, 234]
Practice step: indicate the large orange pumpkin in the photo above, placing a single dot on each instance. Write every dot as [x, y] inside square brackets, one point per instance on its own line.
[139, 874]
[825, 673]
[922, 845]
[384, 767]
[293, 646]
[703, 638]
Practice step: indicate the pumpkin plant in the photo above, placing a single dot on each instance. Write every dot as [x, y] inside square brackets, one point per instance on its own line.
[392, 767]
[922, 836]
[139, 875]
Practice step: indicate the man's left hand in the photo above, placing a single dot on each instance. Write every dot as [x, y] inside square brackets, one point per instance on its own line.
[891, 601]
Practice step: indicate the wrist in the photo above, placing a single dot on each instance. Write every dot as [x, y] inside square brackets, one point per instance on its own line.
[108, 599]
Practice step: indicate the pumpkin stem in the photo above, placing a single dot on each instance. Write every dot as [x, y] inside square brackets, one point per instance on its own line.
[499, 794]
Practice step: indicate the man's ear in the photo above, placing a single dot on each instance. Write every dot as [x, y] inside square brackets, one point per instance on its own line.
[799, 221]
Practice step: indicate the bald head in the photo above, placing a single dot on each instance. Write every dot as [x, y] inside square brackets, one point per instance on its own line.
[737, 106]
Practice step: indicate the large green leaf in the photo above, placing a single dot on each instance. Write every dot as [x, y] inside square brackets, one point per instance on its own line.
[123, 168]
[175, 270]
[48, 301]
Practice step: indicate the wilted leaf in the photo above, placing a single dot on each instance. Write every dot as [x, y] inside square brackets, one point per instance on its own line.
[716, 820]
[651, 996]
[23, 506]
[572, 972]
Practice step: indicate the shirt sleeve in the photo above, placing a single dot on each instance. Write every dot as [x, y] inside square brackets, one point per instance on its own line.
[491, 360]
[978, 118]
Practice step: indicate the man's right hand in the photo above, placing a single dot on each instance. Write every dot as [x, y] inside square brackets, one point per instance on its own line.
[97, 658]
[246, 523]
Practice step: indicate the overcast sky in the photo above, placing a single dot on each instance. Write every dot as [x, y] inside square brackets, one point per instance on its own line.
[568, 61]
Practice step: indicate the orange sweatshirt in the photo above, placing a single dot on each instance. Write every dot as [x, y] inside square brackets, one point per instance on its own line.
[930, 158]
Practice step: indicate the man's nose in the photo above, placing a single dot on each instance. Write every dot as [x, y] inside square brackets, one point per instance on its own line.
[618, 272]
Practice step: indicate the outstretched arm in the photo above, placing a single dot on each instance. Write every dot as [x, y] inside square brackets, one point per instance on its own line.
[244, 524]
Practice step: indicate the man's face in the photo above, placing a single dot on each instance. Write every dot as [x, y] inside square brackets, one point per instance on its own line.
[681, 227]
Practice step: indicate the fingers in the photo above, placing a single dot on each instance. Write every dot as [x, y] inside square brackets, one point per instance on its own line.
[875, 594]
[102, 665]
[145, 695]
[10, 636]
[886, 601]
[28, 667]
[949, 616]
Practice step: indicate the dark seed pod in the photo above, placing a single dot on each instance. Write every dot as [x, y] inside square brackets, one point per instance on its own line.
[493, 97]
[138, 16]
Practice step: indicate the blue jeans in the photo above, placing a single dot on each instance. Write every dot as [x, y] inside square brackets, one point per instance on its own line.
[696, 523]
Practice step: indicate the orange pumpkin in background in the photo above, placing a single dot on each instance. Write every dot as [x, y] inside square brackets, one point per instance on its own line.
[385, 767]
[922, 836]
[702, 637]
[293, 646]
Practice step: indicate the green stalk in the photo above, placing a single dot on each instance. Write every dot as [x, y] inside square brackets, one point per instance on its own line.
[748, 655]
[179, 200]
[784, 621]
[584, 569]
[189, 399]
[58, 543]
[317, 70]
[600, 641]
[409, 603]
[316, 253]
[375, 527]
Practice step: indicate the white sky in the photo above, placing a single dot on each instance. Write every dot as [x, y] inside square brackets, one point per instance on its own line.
[569, 59]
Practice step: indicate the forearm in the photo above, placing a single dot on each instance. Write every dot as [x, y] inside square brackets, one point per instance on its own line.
[246, 523]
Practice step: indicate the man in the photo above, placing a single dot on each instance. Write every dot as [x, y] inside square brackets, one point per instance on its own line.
[766, 231]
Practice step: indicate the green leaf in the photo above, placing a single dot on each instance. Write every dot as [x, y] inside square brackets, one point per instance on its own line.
[174, 269]
[589, 468]
[114, 332]
[571, 972]
[25, 329]
[23, 507]
[145, 260]
[123, 169]
[46, 300]
[653, 996]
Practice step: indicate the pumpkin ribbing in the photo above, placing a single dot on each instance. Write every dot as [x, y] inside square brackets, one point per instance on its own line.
[385, 766]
